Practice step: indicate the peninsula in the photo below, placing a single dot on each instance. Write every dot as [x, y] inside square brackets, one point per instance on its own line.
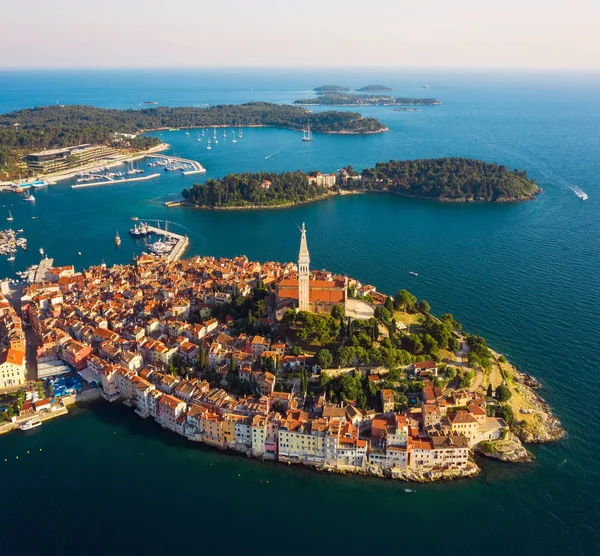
[277, 362]
[348, 99]
[443, 179]
[52, 127]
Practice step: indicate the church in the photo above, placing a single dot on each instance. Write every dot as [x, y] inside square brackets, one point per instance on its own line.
[317, 292]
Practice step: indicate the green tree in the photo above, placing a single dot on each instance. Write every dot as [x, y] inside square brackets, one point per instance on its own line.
[405, 301]
[490, 391]
[503, 394]
[324, 358]
[389, 304]
[424, 306]
[337, 312]
[382, 314]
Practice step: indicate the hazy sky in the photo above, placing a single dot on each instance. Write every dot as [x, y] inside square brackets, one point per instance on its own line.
[435, 33]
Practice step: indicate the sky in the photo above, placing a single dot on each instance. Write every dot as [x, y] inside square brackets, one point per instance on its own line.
[307, 33]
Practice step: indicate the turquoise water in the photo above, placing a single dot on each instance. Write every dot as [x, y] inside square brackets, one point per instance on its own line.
[526, 276]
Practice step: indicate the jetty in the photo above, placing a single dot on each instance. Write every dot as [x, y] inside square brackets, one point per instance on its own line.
[197, 168]
[111, 181]
[179, 247]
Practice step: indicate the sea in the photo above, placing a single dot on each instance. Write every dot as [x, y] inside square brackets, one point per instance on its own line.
[526, 276]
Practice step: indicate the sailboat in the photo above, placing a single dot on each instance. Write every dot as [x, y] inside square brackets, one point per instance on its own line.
[224, 134]
[202, 132]
[307, 134]
[234, 139]
[118, 239]
[199, 139]
[29, 197]
[12, 256]
[240, 134]
[10, 217]
[208, 147]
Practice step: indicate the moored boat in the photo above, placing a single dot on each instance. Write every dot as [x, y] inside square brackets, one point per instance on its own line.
[30, 424]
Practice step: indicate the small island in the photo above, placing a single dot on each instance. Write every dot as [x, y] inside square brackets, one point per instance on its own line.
[348, 99]
[442, 179]
[330, 89]
[375, 89]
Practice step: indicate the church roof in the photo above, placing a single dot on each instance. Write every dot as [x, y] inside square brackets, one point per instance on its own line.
[327, 291]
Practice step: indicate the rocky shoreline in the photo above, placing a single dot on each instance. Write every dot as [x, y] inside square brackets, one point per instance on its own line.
[510, 450]
[406, 475]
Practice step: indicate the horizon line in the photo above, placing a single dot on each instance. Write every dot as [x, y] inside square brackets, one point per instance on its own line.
[307, 67]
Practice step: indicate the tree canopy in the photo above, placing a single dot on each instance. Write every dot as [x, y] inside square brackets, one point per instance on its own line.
[449, 179]
[258, 189]
[58, 126]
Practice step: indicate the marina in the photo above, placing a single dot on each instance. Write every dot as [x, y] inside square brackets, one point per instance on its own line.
[10, 242]
[169, 245]
[111, 181]
[173, 163]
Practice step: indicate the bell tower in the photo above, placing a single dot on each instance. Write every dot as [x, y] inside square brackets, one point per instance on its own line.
[303, 272]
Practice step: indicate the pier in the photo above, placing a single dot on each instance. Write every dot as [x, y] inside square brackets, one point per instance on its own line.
[197, 168]
[111, 181]
[180, 246]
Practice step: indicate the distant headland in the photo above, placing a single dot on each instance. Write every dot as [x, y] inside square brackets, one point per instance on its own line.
[51, 127]
[336, 95]
[442, 179]
[349, 99]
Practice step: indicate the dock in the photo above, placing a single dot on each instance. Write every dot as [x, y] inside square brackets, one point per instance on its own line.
[181, 245]
[197, 168]
[40, 273]
[111, 181]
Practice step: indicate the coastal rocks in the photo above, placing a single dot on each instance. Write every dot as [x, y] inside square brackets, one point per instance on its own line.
[509, 450]
[408, 475]
[543, 428]
[470, 470]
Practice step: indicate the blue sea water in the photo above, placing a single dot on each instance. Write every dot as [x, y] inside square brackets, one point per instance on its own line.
[526, 276]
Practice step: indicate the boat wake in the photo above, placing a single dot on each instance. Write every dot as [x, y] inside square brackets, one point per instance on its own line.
[579, 192]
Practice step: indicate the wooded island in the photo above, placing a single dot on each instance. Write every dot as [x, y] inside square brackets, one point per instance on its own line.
[442, 179]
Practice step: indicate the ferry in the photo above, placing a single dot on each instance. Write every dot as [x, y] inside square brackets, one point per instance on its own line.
[31, 424]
